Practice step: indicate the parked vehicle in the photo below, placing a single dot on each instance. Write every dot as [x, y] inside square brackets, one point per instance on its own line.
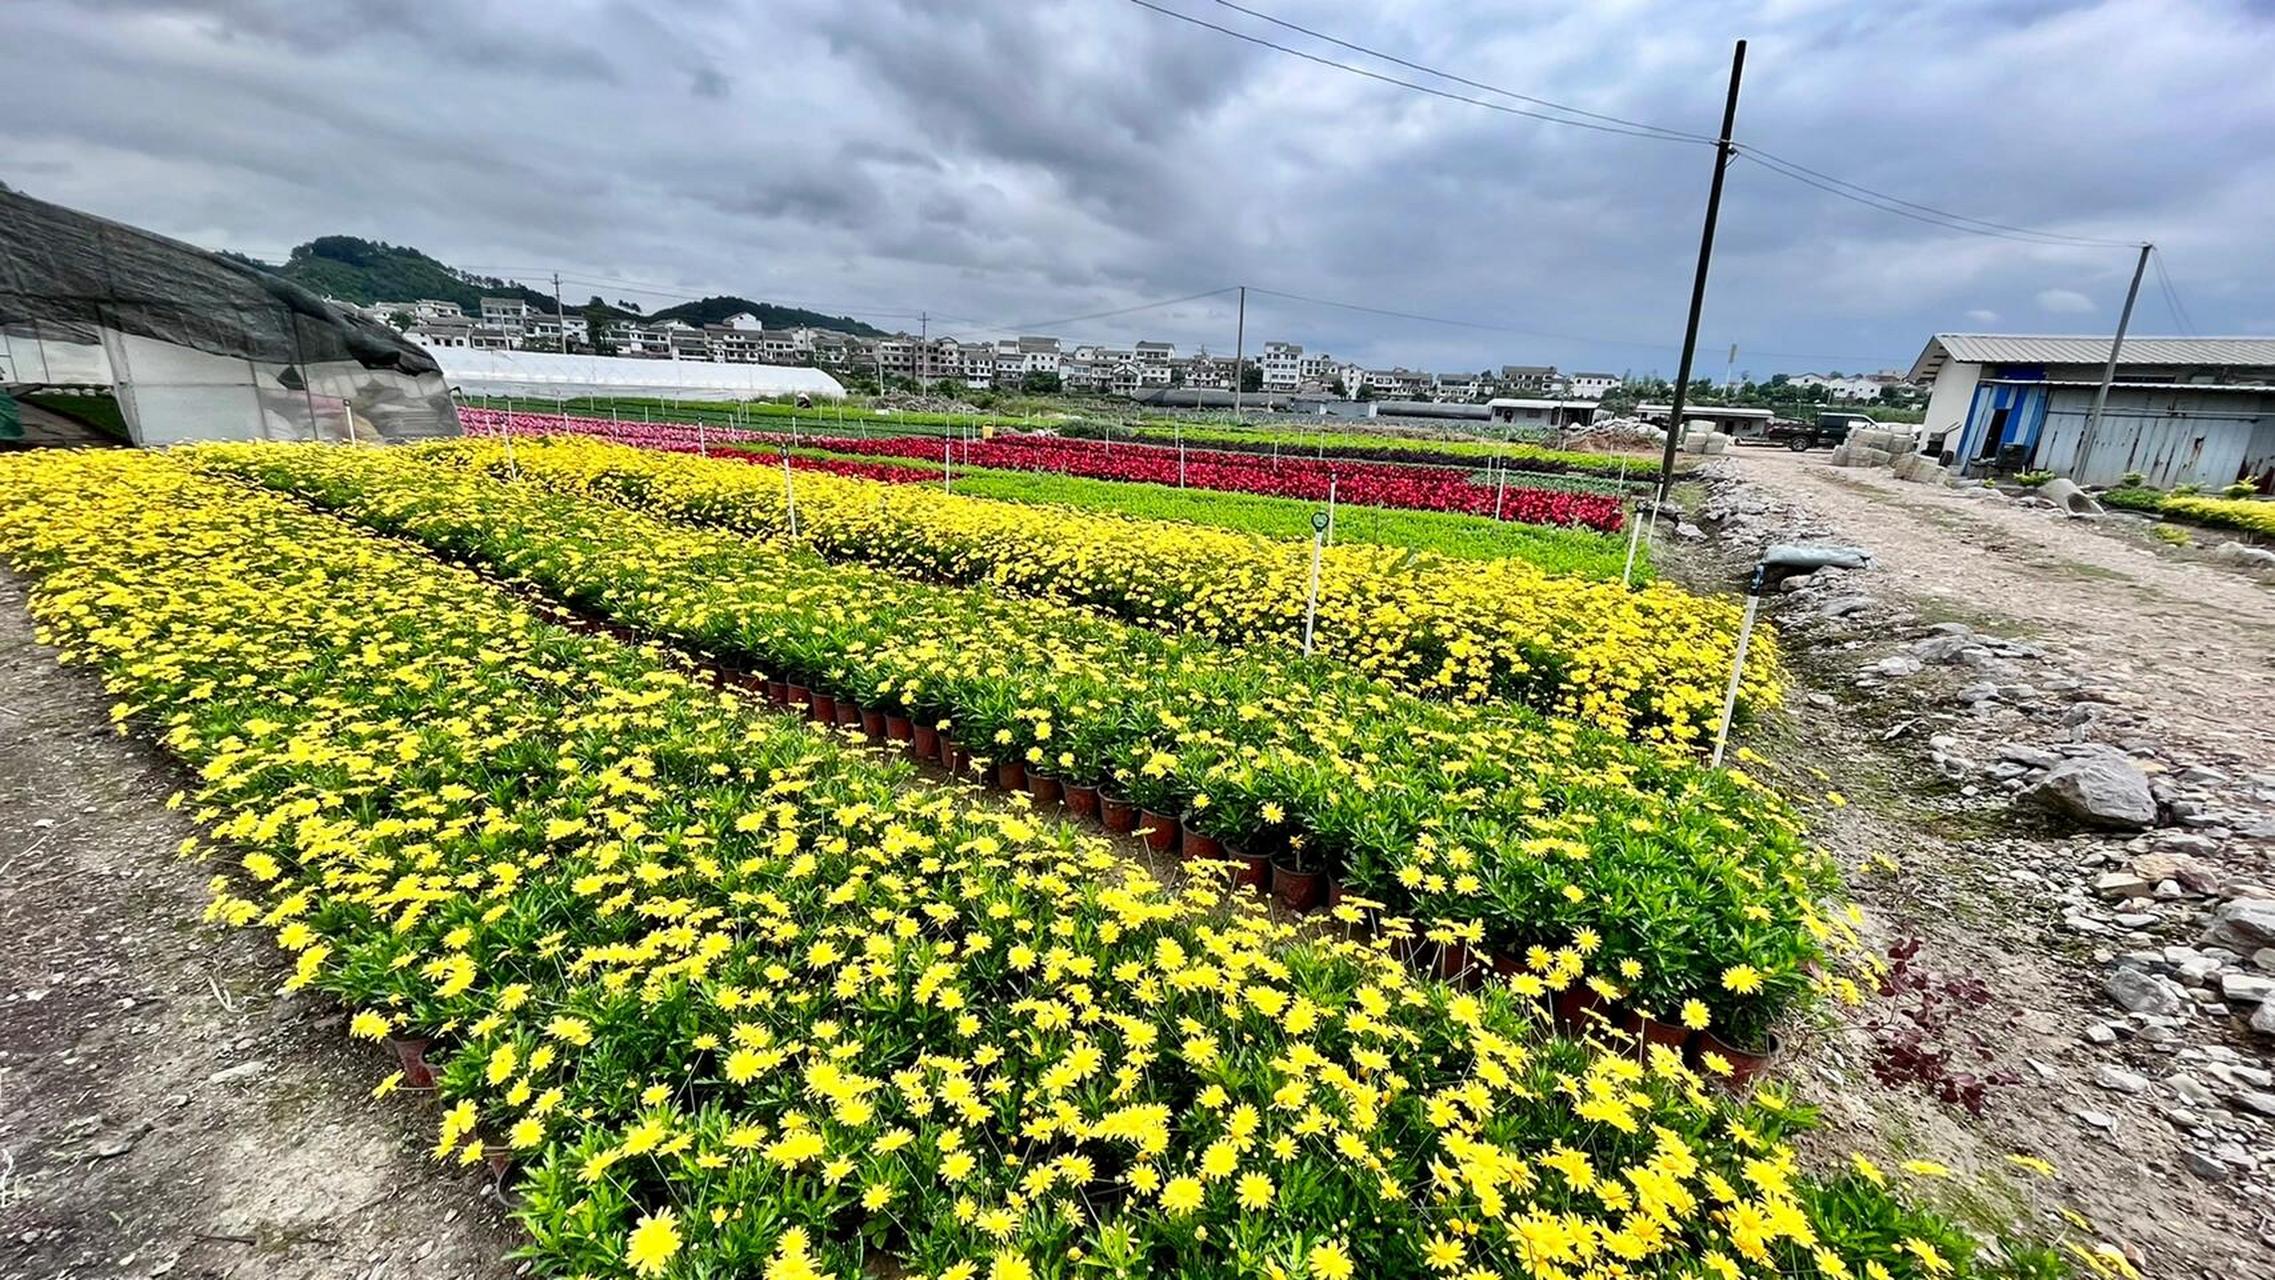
[1800, 436]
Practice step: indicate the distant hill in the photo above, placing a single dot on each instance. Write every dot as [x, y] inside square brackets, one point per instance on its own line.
[715, 310]
[368, 271]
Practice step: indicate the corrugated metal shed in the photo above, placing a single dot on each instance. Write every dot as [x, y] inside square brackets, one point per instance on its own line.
[2007, 348]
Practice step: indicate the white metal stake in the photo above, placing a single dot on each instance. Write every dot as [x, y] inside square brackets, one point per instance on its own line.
[702, 440]
[1311, 605]
[1331, 482]
[947, 456]
[1634, 535]
[789, 492]
[1181, 460]
[1501, 495]
[1737, 671]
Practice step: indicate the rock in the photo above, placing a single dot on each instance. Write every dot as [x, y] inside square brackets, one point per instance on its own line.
[2263, 1021]
[2191, 873]
[242, 1071]
[2119, 1079]
[2243, 925]
[2033, 757]
[2237, 553]
[2100, 788]
[1981, 691]
[2100, 1033]
[2204, 1166]
[2191, 1091]
[2264, 959]
[2255, 1102]
[1842, 606]
[2123, 884]
[2136, 919]
[2238, 987]
[1943, 648]
[1895, 666]
[2098, 1119]
[2138, 992]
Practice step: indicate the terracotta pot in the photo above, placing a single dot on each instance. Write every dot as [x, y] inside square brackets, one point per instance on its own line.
[1745, 1064]
[1200, 845]
[1254, 871]
[823, 709]
[848, 714]
[778, 692]
[1116, 814]
[1648, 1031]
[1456, 964]
[924, 741]
[1505, 963]
[1160, 830]
[899, 728]
[1011, 775]
[873, 724]
[799, 695]
[1298, 890]
[411, 1055]
[1575, 1003]
[1082, 800]
[1045, 788]
[949, 750]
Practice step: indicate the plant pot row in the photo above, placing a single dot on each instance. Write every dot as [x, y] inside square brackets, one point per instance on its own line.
[1298, 889]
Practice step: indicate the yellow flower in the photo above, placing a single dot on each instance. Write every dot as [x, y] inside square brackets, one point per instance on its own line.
[369, 1026]
[1742, 978]
[1181, 1196]
[653, 1242]
[1694, 1014]
[1254, 1191]
[1330, 1262]
[1926, 1169]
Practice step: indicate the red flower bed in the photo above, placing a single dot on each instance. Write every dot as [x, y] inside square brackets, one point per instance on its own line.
[1372, 484]
[1368, 484]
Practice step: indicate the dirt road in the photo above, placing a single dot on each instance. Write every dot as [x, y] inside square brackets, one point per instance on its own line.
[2188, 643]
[163, 1112]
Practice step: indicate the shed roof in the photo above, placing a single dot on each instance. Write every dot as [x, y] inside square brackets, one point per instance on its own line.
[2010, 348]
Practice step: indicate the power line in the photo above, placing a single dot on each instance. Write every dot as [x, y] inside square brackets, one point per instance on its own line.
[1841, 187]
[2180, 314]
[1646, 131]
[1681, 135]
[1119, 311]
[1941, 217]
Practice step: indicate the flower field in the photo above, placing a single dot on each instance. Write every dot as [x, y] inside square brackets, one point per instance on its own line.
[1373, 484]
[1651, 661]
[1518, 837]
[1559, 550]
[1363, 446]
[734, 997]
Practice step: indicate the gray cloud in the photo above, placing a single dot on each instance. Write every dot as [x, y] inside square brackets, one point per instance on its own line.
[1000, 163]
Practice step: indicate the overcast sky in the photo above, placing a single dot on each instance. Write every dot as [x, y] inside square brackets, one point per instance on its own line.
[1007, 163]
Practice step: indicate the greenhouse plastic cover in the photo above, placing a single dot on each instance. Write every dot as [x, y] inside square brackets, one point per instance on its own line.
[197, 346]
[544, 375]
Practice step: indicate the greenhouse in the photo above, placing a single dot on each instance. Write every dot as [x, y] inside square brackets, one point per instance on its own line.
[544, 375]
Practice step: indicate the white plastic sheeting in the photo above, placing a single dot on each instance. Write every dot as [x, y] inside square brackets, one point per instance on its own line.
[545, 374]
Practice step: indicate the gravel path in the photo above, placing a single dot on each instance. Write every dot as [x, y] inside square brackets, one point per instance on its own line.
[2188, 643]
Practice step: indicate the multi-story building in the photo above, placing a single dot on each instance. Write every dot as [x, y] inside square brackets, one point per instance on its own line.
[1528, 379]
[1591, 386]
[1155, 352]
[436, 309]
[443, 333]
[1461, 386]
[1282, 364]
[548, 331]
[510, 314]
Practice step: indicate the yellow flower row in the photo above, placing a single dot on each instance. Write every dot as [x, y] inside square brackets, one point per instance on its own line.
[742, 1001]
[1511, 834]
[1650, 662]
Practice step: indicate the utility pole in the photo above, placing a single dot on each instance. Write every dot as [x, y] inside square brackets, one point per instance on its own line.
[560, 315]
[2109, 371]
[1239, 345]
[923, 361]
[1722, 153]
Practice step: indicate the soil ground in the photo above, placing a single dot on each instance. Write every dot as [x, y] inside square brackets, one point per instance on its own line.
[163, 1111]
[2180, 640]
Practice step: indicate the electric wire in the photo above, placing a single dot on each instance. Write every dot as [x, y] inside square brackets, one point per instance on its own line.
[1681, 135]
[2180, 314]
[1648, 131]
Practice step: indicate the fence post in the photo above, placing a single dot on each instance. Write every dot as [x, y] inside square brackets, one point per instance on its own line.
[789, 491]
[1311, 604]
